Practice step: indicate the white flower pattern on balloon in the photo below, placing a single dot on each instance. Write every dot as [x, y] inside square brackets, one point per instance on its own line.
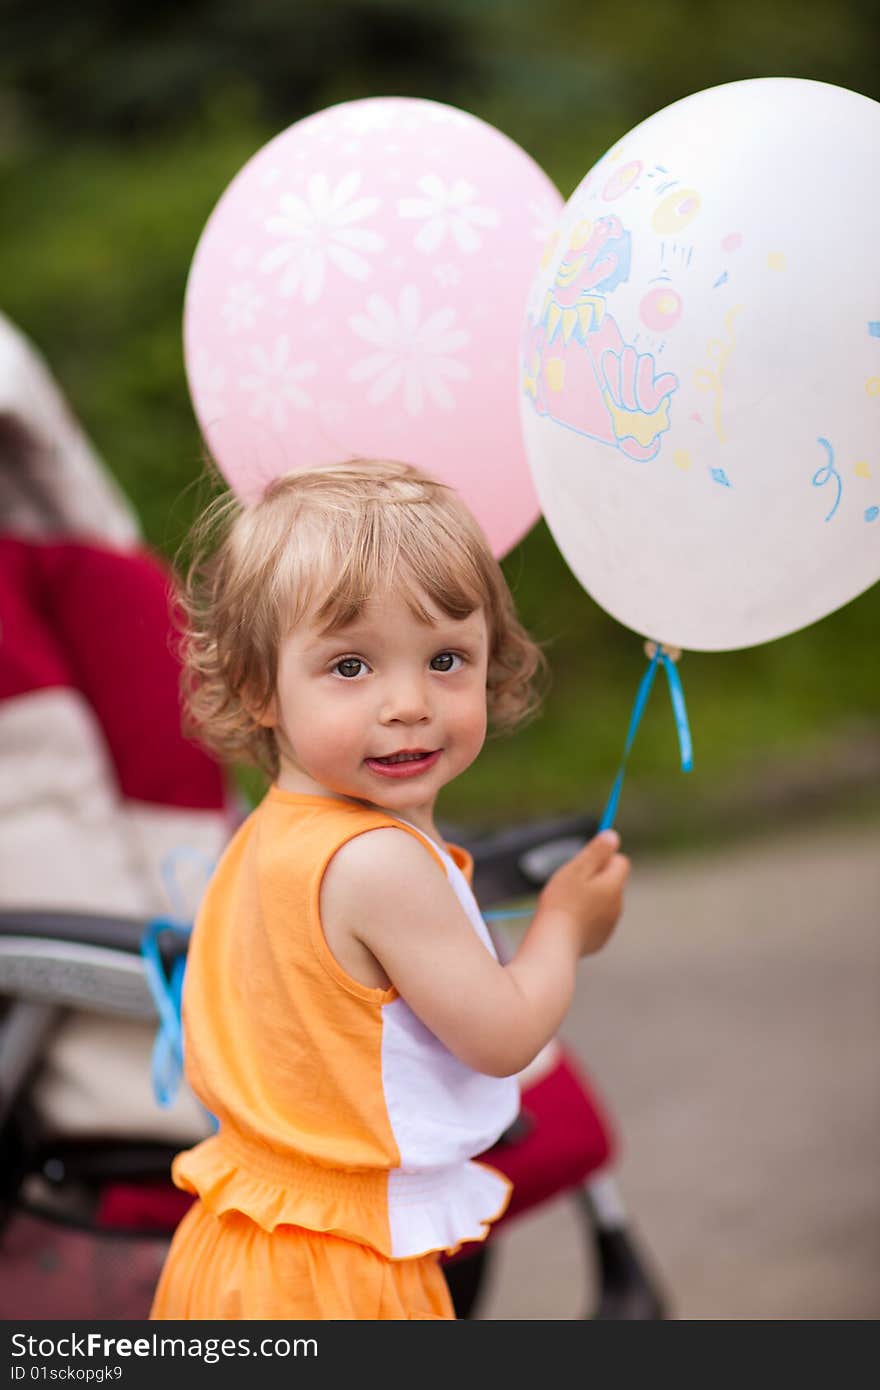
[447, 208]
[412, 354]
[209, 384]
[447, 275]
[544, 219]
[319, 228]
[276, 382]
[240, 306]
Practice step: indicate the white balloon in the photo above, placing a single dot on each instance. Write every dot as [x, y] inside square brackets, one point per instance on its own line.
[701, 398]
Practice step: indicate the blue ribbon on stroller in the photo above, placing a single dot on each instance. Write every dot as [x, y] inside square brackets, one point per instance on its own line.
[166, 987]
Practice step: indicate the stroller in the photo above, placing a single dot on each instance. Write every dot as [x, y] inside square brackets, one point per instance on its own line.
[99, 793]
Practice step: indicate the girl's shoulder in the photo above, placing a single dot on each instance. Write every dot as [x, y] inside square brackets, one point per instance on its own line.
[311, 831]
[386, 875]
[379, 851]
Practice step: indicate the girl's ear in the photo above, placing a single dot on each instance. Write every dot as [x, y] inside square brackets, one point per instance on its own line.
[268, 716]
[264, 714]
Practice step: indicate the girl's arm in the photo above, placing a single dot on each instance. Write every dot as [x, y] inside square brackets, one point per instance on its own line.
[384, 889]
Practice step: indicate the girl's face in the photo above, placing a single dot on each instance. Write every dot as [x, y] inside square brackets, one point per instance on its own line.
[387, 710]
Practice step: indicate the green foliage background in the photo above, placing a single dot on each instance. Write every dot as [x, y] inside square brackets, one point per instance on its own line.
[120, 126]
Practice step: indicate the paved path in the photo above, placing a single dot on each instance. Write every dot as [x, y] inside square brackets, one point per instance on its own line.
[733, 1023]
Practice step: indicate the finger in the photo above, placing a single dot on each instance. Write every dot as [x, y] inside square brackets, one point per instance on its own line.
[628, 362]
[616, 869]
[602, 269]
[646, 392]
[620, 866]
[665, 385]
[611, 369]
[596, 855]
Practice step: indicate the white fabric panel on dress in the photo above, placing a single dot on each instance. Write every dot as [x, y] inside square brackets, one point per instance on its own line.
[442, 1113]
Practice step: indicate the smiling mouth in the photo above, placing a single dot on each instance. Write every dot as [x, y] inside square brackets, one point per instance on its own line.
[407, 756]
[409, 762]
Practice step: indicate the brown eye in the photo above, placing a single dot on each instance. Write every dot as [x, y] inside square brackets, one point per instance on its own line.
[349, 666]
[445, 661]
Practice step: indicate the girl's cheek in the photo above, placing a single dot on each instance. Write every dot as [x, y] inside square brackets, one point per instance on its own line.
[340, 726]
[472, 717]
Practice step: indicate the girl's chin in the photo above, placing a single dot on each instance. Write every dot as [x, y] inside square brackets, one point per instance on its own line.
[377, 785]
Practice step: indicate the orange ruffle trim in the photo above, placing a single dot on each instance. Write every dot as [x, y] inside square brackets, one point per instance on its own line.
[401, 1215]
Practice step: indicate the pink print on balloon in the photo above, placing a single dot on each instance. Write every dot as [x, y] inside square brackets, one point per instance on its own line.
[660, 309]
[622, 180]
[579, 369]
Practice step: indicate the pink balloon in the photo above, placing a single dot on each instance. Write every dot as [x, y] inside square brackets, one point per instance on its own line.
[358, 291]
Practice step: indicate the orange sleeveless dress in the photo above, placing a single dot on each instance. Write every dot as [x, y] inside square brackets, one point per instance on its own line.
[343, 1162]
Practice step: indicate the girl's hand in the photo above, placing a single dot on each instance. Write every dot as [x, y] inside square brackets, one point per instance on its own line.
[588, 892]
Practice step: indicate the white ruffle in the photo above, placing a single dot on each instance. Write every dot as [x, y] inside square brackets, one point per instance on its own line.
[442, 1208]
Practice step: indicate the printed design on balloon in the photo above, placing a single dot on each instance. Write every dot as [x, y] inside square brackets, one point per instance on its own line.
[275, 382]
[447, 209]
[412, 353]
[622, 180]
[712, 379]
[579, 369]
[317, 229]
[544, 219]
[241, 305]
[660, 309]
[676, 210]
[447, 275]
[209, 379]
[828, 473]
[549, 250]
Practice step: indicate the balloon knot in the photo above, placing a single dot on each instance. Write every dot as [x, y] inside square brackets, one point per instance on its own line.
[651, 648]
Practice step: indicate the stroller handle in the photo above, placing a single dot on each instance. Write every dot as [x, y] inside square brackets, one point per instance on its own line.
[45, 959]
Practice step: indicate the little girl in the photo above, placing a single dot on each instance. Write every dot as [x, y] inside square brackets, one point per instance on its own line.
[346, 1018]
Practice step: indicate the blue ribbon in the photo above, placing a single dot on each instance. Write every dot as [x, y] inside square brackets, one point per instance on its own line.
[676, 694]
[679, 709]
[182, 906]
[167, 988]
[167, 991]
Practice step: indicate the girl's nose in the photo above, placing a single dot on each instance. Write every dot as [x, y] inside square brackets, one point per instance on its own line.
[406, 702]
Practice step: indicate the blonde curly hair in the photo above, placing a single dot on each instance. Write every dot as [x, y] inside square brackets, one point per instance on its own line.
[319, 544]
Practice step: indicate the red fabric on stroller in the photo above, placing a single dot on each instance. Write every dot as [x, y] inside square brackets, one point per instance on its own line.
[96, 620]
